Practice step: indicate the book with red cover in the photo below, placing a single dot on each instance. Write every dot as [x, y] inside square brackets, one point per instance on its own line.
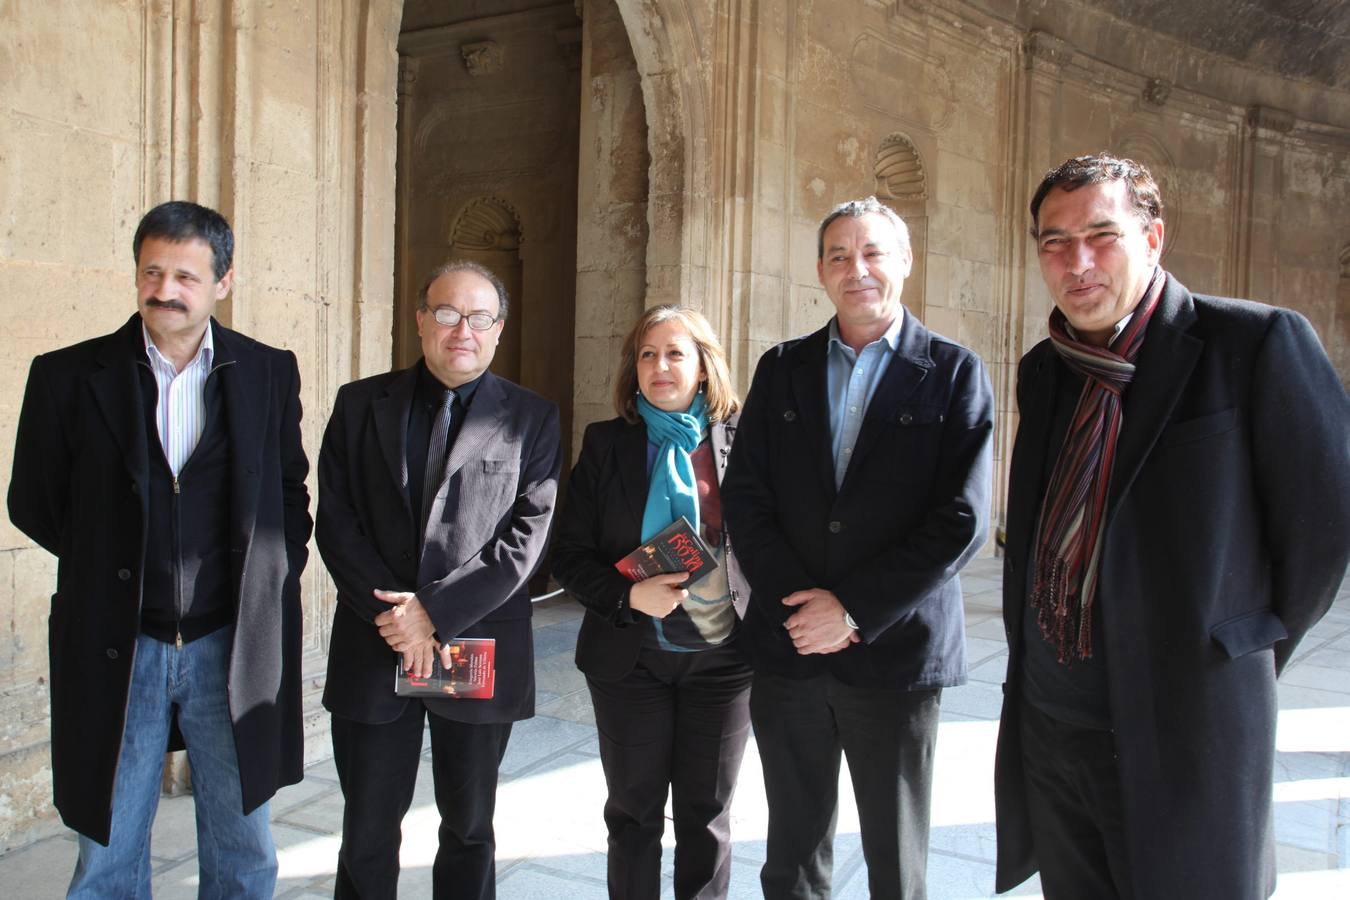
[472, 674]
[677, 548]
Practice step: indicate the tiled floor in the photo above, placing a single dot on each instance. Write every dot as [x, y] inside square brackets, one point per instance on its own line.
[551, 839]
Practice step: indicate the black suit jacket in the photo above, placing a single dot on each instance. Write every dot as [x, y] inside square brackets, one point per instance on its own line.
[599, 525]
[486, 532]
[81, 463]
[1226, 537]
[912, 510]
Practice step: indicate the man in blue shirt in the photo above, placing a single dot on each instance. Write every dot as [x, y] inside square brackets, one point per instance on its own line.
[857, 489]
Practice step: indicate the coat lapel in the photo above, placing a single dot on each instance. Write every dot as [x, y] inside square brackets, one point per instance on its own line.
[808, 389]
[1031, 449]
[909, 366]
[244, 380]
[117, 391]
[390, 414]
[630, 452]
[484, 419]
[1164, 365]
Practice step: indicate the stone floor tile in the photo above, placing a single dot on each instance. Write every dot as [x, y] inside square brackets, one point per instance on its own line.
[321, 814]
[981, 650]
[558, 674]
[41, 869]
[537, 739]
[975, 698]
[544, 882]
[554, 639]
[574, 707]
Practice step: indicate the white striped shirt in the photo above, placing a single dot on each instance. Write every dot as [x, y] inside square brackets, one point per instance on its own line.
[180, 412]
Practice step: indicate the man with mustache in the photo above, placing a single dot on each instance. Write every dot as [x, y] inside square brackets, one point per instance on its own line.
[436, 489]
[162, 466]
[1178, 518]
[857, 489]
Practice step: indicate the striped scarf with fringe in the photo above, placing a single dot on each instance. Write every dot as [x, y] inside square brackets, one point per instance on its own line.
[1068, 539]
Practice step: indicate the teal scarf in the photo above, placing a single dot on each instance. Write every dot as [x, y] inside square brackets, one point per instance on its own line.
[673, 492]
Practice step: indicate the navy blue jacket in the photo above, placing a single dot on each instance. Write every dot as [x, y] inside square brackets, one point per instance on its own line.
[911, 512]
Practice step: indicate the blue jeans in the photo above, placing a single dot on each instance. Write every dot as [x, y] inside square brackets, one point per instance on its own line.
[235, 853]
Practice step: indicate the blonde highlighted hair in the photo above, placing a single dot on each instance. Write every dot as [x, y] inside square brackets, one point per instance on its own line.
[718, 390]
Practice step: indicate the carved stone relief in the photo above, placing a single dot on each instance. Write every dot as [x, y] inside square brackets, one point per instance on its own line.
[482, 57]
[899, 169]
[486, 223]
[1147, 149]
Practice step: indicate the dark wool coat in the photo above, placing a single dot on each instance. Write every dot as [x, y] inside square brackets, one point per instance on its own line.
[81, 465]
[1227, 534]
[486, 533]
[912, 510]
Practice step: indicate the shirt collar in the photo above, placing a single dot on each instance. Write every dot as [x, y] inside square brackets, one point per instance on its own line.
[1115, 332]
[206, 350]
[430, 389]
[891, 335]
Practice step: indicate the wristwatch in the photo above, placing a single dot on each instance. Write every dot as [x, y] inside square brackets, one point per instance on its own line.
[848, 620]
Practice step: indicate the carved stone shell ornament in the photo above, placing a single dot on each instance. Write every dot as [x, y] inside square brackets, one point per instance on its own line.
[900, 169]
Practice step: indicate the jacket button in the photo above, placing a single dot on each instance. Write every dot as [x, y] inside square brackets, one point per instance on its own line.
[407, 554]
[112, 653]
[135, 488]
[906, 418]
[836, 526]
[123, 574]
[790, 415]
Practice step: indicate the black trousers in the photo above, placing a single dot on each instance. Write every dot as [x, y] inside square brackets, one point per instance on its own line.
[377, 767]
[1074, 803]
[888, 736]
[677, 723]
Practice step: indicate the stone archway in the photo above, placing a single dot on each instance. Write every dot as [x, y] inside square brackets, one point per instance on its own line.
[672, 214]
[488, 117]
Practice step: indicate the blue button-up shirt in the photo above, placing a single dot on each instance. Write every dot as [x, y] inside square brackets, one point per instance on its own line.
[850, 380]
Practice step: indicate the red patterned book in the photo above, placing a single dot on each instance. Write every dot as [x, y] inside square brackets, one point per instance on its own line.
[472, 674]
[677, 548]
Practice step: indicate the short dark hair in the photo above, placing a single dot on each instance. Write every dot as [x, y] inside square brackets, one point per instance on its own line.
[856, 209]
[1145, 199]
[464, 265]
[181, 220]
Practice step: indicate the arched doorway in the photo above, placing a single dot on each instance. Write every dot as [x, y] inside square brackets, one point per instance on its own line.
[488, 119]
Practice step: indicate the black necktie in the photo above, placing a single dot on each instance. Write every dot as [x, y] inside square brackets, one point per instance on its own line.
[435, 470]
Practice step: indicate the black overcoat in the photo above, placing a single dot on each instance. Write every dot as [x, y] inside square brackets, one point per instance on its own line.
[78, 489]
[1227, 533]
[487, 531]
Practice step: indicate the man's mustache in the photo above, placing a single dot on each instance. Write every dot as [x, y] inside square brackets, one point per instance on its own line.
[166, 304]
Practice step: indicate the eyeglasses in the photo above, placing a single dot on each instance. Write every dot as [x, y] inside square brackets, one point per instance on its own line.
[451, 317]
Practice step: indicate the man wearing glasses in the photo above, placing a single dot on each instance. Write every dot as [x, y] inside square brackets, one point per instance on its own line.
[436, 488]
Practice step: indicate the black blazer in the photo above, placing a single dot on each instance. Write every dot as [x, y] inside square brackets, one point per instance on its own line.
[1226, 537]
[601, 523]
[81, 461]
[913, 508]
[486, 533]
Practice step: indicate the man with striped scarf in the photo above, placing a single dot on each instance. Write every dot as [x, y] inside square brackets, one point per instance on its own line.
[1178, 518]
